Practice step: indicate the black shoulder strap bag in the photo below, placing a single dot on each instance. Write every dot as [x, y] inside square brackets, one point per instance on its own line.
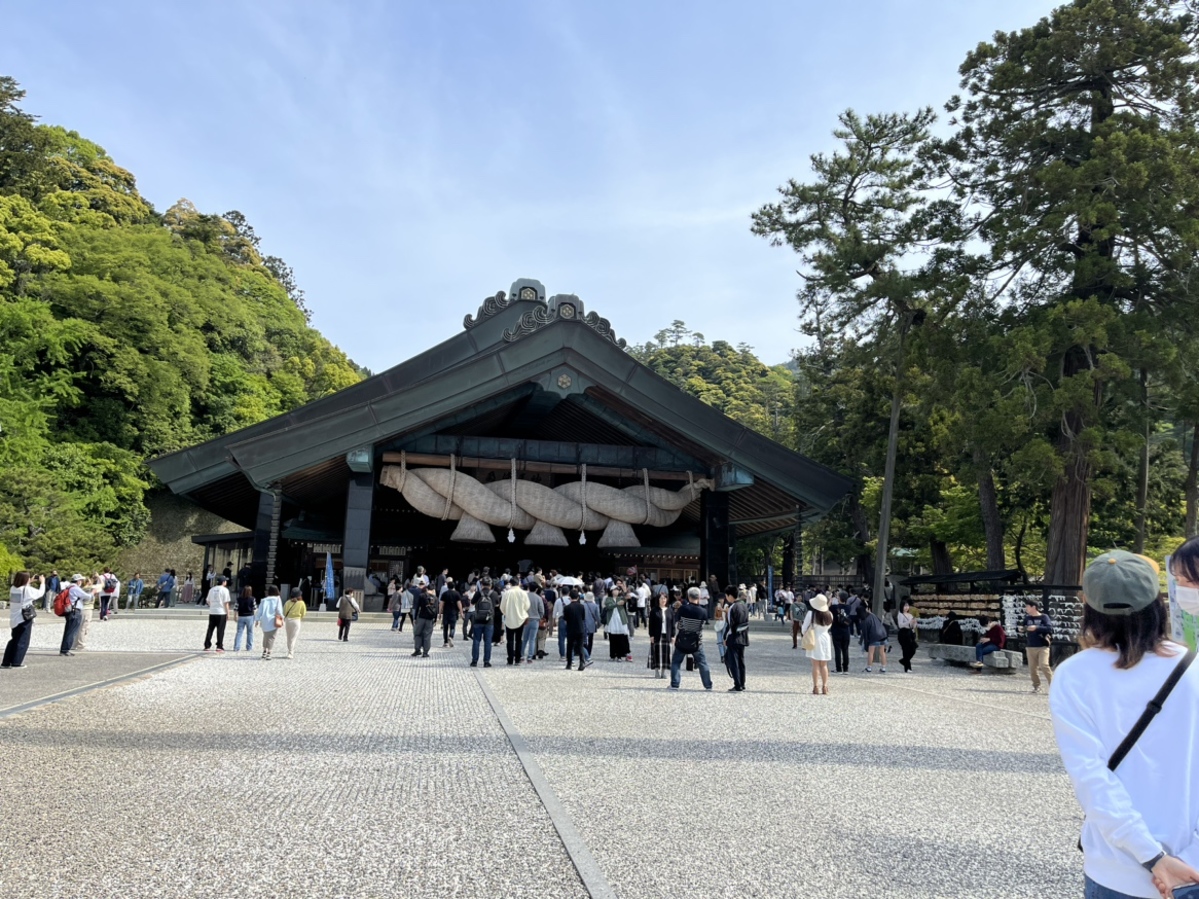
[1151, 709]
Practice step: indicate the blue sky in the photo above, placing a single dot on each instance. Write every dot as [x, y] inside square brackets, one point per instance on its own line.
[409, 159]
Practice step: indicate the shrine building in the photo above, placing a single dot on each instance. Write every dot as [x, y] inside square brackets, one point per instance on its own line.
[531, 437]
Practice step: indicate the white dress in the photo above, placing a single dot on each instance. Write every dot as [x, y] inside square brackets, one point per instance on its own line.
[824, 643]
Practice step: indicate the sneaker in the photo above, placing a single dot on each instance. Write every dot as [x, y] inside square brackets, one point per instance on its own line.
[451, 644]
[589, 663]
[289, 655]
[218, 649]
[628, 658]
[208, 649]
[882, 670]
[415, 654]
[424, 655]
[487, 664]
[1035, 690]
[474, 664]
[867, 669]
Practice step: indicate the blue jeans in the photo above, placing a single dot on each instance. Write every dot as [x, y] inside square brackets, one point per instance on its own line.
[395, 620]
[244, 623]
[562, 637]
[676, 661]
[74, 619]
[983, 649]
[481, 633]
[14, 652]
[1093, 890]
[529, 640]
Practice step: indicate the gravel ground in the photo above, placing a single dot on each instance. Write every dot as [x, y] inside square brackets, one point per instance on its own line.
[352, 770]
[935, 783]
[355, 770]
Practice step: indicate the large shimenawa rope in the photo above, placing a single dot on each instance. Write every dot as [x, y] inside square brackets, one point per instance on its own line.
[527, 505]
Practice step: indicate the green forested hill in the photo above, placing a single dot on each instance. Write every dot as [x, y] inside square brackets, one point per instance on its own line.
[125, 333]
[731, 379]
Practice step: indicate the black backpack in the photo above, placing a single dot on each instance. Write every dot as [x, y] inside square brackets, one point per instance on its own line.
[427, 607]
[687, 641]
[484, 608]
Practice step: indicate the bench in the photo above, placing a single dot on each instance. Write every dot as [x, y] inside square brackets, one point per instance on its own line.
[1005, 660]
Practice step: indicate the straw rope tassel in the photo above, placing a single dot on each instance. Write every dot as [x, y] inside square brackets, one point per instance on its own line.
[583, 511]
[449, 499]
[512, 511]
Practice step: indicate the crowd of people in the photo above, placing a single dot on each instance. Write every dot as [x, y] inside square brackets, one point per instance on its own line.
[1136, 782]
[523, 613]
[73, 600]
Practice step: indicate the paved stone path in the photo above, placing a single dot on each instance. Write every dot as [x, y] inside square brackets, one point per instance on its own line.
[355, 770]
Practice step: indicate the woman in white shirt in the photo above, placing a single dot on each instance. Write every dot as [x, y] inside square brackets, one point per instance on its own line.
[819, 620]
[1139, 834]
[270, 616]
[21, 597]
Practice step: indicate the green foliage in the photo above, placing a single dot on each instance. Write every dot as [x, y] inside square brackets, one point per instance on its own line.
[731, 379]
[126, 334]
[735, 381]
[1044, 253]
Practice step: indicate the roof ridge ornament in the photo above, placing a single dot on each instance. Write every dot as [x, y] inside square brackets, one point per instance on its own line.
[562, 306]
[603, 327]
[491, 306]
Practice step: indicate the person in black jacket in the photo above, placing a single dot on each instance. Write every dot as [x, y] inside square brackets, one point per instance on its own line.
[483, 612]
[574, 615]
[1038, 636]
[247, 605]
[951, 631]
[874, 639]
[451, 608]
[736, 637]
[661, 628]
[839, 633]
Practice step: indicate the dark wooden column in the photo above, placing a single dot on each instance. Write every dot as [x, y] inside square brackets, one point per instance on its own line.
[265, 537]
[716, 544]
[356, 542]
[787, 573]
[796, 572]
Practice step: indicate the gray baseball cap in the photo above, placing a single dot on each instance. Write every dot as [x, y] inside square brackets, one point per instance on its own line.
[1121, 583]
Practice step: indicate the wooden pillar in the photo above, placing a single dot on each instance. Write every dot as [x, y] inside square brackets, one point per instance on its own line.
[715, 547]
[264, 541]
[796, 572]
[356, 541]
[272, 552]
[787, 573]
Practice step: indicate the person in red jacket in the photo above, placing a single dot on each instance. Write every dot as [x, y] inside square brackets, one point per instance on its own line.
[994, 639]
